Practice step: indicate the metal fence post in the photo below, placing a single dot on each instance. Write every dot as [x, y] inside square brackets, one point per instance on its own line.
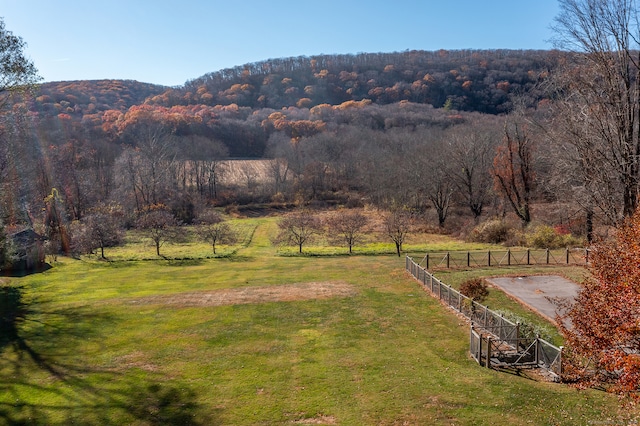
[448, 259]
[567, 255]
[528, 256]
[427, 259]
[508, 257]
[547, 256]
[488, 257]
[468, 259]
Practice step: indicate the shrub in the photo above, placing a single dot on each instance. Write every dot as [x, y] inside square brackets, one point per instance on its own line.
[492, 232]
[544, 236]
[475, 289]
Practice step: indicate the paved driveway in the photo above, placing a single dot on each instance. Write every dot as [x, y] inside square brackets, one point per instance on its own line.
[535, 291]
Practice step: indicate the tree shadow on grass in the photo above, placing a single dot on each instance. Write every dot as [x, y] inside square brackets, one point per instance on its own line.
[38, 361]
[238, 258]
[183, 262]
[166, 405]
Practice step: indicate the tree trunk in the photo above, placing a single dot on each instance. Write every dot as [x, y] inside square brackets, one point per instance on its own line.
[589, 225]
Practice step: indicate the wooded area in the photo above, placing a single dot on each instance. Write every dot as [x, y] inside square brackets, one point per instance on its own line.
[426, 132]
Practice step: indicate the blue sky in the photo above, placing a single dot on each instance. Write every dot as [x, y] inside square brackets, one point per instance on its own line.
[169, 42]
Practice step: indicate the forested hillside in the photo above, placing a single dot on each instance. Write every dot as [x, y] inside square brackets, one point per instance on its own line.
[235, 106]
[469, 80]
[82, 98]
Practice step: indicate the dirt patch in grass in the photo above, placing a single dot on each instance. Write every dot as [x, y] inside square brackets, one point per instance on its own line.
[320, 420]
[135, 359]
[249, 295]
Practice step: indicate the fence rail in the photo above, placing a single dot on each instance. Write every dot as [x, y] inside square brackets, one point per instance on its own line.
[494, 340]
[474, 259]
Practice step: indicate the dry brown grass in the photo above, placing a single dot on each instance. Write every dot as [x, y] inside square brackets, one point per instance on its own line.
[252, 295]
[243, 172]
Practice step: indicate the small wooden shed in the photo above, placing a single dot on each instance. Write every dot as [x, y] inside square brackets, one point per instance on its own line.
[28, 250]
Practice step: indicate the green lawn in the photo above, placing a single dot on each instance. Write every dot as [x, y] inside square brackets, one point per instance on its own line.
[83, 343]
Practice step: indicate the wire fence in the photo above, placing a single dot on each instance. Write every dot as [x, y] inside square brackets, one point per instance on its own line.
[494, 340]
[508, 257]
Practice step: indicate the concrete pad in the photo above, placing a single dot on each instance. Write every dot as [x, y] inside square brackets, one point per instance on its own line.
[537, 290]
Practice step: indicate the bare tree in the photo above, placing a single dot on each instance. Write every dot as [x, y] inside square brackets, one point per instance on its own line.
[438, 178]
[471, 155]
[513, 169]
[338, 152]
[250, 175]
[348, 227]
[298, 229]
[598, 92]
[104, 226]
[398, 225]
[159, 225]
[381, 170]
[392, 166]
[206, 162]
[145, 171]
[278, 169]
[213, 230]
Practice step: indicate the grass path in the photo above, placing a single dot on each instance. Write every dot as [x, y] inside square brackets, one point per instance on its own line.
[260, 243]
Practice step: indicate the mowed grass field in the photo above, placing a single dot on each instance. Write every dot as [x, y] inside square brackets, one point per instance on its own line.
[256, 338]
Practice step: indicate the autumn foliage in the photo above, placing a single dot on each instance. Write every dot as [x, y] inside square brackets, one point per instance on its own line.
[604, 342]
[475, 289]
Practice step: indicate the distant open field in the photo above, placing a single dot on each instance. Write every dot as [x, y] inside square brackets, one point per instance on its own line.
[259, 337]
[239, 172]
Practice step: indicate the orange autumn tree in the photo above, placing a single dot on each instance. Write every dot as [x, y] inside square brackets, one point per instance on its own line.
[603, 344]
